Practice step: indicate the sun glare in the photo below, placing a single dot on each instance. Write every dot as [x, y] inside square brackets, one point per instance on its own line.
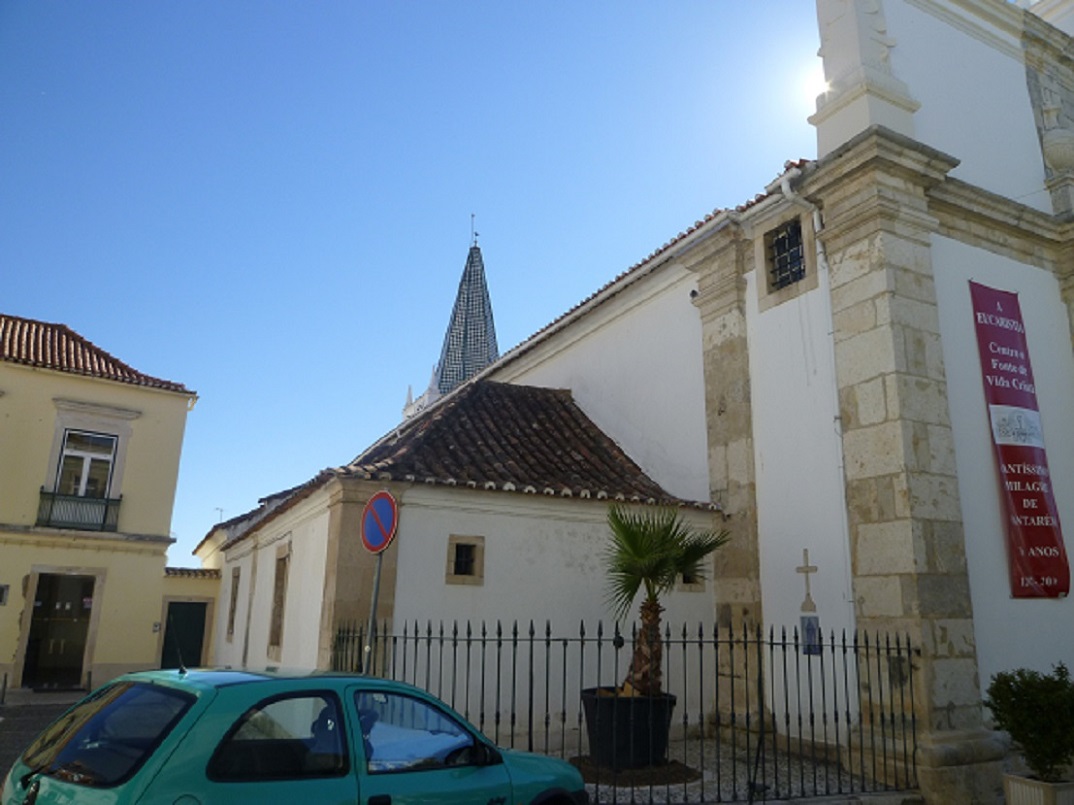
[812, 82]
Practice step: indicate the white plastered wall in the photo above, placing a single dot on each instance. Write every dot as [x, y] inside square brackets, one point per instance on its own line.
[1009, 632]
[634, 366]
[542, 563]
[798, 459]
[305, 529]
[543, 560]
[968, 74]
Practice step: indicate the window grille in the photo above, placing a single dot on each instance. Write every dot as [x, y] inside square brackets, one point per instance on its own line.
[786, 255]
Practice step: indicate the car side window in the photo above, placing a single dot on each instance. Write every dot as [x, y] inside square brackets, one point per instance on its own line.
[283, 738]
[403, 733]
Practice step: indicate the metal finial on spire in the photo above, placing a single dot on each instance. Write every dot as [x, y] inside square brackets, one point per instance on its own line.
[473, 232]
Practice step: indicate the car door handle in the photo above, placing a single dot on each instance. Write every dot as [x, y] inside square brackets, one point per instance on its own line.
[380, 799]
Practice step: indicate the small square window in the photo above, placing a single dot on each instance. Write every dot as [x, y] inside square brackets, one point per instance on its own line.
[786, 255]
[688, 582]
[466, 560]
[3, 594]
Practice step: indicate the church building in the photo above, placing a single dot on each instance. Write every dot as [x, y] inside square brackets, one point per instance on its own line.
[865, 374]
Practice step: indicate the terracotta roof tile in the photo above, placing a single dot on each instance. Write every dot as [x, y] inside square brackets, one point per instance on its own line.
[58, 347]
[511, 437]
[192, 572]
[492, 437]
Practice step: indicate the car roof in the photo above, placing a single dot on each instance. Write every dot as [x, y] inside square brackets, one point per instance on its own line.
[204, 679]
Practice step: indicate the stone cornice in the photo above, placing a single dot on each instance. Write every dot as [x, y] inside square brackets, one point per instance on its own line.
[1049, 42]
[878, 149]
[976, 216]
[720, 263]
[876, 181]
[95, 409]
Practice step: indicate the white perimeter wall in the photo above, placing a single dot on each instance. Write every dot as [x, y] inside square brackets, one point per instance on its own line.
[543, 561]
[1009, 632]
[634, 366]
[970, 80]
[798, 453]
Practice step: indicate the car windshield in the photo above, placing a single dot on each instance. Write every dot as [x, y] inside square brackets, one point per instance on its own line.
[106, 737]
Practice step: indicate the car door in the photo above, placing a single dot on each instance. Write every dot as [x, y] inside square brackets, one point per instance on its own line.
[288, 747]
[412, 751]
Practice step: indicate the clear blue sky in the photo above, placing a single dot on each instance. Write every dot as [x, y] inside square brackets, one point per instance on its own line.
[270, 201]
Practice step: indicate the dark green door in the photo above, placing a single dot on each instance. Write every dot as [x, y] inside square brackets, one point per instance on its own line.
[184, 632]
[56, 645]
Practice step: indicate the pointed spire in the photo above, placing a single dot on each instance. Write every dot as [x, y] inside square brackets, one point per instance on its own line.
[470, 340]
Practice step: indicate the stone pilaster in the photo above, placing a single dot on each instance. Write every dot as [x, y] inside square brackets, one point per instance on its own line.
[349, 567]
[720, 264]
[907, 543]
[1065, 274]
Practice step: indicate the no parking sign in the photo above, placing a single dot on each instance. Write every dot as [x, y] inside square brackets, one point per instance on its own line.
[380, 518]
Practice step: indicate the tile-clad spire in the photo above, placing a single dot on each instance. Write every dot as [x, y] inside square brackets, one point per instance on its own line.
[470, 341]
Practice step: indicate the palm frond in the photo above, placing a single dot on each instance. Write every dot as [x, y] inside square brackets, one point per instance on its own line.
[650, 549]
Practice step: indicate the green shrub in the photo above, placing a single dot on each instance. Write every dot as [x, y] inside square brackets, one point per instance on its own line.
[1038, 711]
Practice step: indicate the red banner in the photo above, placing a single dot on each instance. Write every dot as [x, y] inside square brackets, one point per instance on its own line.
[1036, 559]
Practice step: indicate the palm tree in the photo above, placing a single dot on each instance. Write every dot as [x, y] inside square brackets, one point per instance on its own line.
[651, 549]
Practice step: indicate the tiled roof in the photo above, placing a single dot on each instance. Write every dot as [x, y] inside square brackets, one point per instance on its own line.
[493, 437]
[506, 437]
[268, 507]
[58, 347]
[192, 572]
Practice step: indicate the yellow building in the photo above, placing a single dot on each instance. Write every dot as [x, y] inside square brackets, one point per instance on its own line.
[89, 458]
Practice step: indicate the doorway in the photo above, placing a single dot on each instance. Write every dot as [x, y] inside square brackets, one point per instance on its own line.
[56, 645]
[184, 634]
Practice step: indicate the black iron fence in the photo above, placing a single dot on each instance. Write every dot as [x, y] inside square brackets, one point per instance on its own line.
[757, 716]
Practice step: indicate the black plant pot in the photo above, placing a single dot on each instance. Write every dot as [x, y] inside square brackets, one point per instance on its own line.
[627, 732]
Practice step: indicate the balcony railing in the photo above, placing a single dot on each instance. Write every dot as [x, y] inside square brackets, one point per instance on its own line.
[72, 511]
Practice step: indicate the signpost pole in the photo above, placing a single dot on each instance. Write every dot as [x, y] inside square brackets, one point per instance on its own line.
[367, 657]
[380, 518]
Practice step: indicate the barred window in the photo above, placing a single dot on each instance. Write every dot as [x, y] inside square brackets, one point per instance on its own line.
[786, 255]
[466, 560]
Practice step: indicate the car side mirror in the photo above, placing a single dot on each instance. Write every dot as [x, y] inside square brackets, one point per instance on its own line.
[485, 755]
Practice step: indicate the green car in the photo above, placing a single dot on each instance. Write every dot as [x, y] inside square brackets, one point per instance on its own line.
[189, 737]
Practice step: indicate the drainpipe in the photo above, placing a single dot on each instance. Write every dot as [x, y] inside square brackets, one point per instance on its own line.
[824, 285]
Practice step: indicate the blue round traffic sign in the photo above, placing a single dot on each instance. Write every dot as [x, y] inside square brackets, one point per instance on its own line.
[379, 521]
